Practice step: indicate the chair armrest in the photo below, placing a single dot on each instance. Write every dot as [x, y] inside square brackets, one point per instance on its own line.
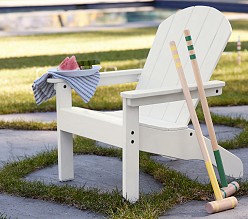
[119, 77]
[111, 77]
[161, 95]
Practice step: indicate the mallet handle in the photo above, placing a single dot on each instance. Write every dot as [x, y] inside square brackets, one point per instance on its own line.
[195, 121]
[201, 91]
[205, 107]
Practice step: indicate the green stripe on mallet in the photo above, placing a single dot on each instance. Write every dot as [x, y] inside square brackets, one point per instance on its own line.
[188, 38]
[192, 57]
[228, 188]
[224, 193]
[236, 187]
[191, 47]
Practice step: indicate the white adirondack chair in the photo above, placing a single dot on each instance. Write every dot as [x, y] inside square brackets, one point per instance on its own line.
[155, 116]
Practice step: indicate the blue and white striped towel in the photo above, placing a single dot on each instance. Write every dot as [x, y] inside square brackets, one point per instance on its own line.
[85, 86]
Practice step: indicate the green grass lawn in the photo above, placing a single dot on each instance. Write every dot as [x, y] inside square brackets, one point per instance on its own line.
[24, 58]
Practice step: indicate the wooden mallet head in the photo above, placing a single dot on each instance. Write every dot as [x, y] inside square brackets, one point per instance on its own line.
[221, 205]
[230, 189]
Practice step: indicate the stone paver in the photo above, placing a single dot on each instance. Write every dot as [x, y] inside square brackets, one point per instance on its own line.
[196, 209]
[231, 111]
[36, 117]
[16, 143]
[104, 173]
[26, 208]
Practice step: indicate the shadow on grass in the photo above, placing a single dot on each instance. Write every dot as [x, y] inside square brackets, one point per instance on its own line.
[54, 60]
[104, 56]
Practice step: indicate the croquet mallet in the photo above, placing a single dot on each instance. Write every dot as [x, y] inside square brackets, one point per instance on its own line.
[219, 204]
[227, 189]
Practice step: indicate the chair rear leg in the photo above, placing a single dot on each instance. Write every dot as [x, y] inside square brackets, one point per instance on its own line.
[65, 156]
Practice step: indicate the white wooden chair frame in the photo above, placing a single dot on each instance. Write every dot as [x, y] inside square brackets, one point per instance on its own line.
[130, 130]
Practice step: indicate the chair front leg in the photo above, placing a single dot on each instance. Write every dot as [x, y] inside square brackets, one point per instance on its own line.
[65, 156]
[65, 139]
[130, 153]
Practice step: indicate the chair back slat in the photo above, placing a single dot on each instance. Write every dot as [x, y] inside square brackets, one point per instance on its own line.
[210, 31]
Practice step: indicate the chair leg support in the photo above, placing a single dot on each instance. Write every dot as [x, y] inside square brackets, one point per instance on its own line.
[65, 156]
[130, 153]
